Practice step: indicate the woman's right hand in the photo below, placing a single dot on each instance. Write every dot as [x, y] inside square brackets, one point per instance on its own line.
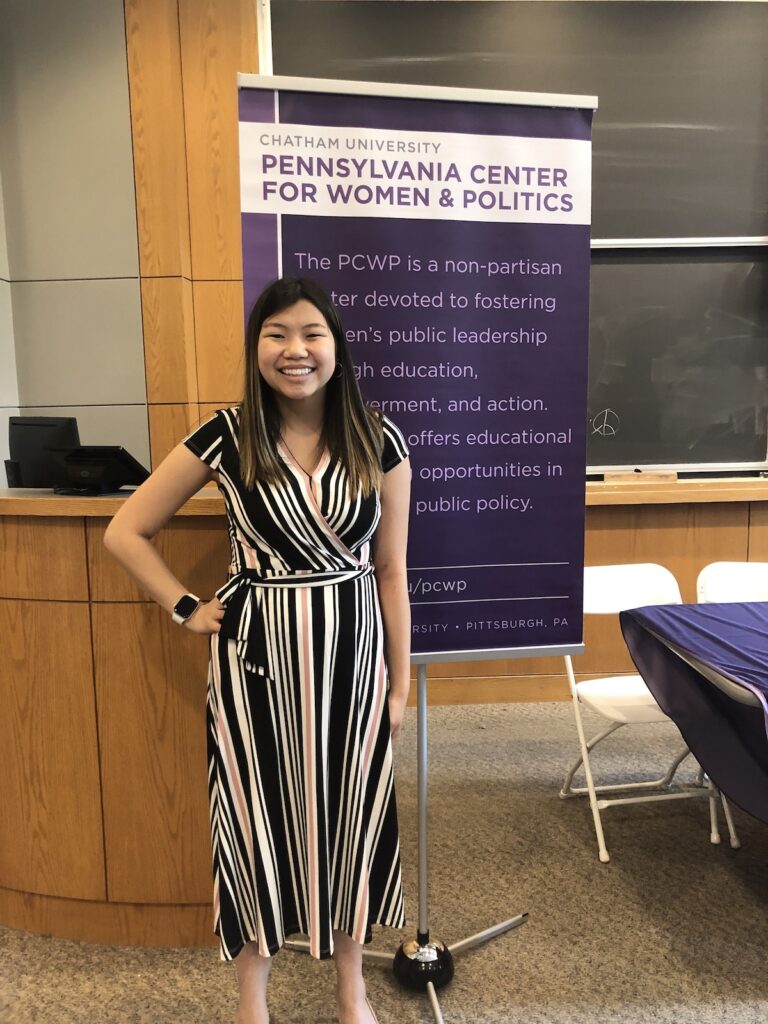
[206, 618]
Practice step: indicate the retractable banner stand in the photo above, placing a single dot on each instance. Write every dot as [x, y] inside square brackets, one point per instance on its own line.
[452, 229]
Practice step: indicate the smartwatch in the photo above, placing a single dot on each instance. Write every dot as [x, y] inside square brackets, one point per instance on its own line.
[184, 608]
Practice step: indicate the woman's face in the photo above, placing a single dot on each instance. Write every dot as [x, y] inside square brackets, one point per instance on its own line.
[296, 351]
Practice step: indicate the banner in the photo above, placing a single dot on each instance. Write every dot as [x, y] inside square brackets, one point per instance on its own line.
[452, 230]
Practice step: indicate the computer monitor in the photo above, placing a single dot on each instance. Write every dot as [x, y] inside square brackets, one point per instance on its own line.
[97, 469]
[30, 437]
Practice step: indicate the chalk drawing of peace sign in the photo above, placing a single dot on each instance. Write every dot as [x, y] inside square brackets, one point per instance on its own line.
[606, 423]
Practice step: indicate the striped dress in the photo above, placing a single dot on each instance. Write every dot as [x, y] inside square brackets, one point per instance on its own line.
[302, 805]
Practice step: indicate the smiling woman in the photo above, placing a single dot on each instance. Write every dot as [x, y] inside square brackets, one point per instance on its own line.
[309, 644]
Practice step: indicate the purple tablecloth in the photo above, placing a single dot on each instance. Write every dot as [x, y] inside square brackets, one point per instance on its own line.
[728, 739]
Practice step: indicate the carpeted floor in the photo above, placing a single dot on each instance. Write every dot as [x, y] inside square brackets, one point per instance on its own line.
[672, 931]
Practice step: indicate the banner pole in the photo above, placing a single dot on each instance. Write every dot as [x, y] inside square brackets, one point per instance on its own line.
[421, 754]
[426, 964]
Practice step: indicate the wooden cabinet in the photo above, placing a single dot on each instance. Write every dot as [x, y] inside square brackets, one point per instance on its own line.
[150, 689]
[50, 813]
[104, 831]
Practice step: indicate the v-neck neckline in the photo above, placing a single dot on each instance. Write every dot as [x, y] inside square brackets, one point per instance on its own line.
[319, 467]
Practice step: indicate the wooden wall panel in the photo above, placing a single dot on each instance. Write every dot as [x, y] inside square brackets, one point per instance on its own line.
[220, 333]
[50, 811]
[206, 408]
[218, 39]
[514, 667]
[151, 688]
[169, 340]
[196, 549]
[758, 532]
[168, 424]
[684, 538]
[113, 923]
[183, 59]
[500, 689]
[44, 562]
[159, 148]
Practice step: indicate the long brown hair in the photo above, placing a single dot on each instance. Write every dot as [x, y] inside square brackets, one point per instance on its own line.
[351, 432]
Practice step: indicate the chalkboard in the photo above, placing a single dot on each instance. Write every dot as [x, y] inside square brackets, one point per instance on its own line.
[681, 136]
[679, 337]
[678, 359]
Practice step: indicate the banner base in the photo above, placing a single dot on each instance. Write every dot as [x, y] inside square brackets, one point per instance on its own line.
[425, 964]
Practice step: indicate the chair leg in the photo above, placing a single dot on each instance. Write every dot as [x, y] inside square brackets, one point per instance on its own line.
[666, 782]
[567, 788]
[735, 842]
[602, 850]
[714, 828]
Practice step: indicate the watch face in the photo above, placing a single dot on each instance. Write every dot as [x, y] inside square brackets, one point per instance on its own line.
[185, 606]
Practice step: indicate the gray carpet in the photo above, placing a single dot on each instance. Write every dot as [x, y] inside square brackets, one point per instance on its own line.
[672, 931]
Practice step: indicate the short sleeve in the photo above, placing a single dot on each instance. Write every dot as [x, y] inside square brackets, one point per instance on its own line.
[206, 441]
[395, 448]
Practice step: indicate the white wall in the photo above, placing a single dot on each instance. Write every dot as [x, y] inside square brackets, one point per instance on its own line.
[71, 266]
[9, 385]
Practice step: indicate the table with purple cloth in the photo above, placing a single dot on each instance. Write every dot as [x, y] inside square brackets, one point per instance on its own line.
[683, 652]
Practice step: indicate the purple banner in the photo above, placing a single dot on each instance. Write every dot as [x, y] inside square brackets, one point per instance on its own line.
[454, 239]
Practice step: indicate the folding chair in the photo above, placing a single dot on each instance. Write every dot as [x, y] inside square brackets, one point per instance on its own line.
[626, 700]
[722, 582]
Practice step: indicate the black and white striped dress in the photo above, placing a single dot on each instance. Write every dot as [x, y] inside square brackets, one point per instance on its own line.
[302, 804]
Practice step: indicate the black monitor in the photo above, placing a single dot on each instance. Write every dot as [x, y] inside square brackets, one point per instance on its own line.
[97, 469]
[29, 441]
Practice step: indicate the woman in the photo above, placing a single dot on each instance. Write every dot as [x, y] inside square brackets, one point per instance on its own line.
[300, 710]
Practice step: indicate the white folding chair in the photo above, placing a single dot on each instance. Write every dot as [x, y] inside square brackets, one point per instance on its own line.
[626, 700]
[722, 582]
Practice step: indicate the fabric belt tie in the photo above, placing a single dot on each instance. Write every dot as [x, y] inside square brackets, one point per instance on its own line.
[244, 607]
